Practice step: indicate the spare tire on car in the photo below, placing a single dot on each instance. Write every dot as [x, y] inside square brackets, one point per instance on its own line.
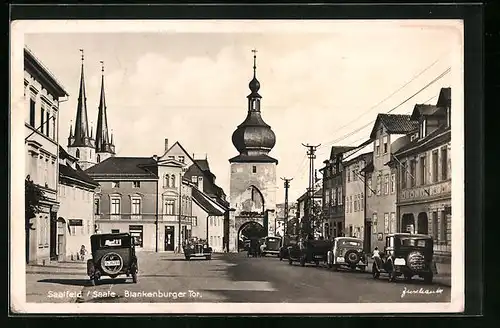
[352, 257]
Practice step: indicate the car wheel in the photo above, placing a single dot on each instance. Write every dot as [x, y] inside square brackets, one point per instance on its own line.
[302, 261]
[392, 276]
[290, 261]
[134, 278]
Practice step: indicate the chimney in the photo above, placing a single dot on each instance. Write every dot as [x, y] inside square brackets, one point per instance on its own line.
[166, 144]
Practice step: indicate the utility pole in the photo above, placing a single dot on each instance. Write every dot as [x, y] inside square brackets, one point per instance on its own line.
[311, 154]
[287, 185]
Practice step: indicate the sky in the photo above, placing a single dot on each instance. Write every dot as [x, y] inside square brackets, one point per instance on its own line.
[317, 87]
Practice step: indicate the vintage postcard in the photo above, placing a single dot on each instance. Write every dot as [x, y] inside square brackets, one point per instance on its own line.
[237, 166]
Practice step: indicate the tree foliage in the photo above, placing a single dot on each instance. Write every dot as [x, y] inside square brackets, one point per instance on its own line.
[32, 197]
[313, 219]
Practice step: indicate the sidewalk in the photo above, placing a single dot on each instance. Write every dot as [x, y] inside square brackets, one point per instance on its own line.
[443, 275]
[56, 282]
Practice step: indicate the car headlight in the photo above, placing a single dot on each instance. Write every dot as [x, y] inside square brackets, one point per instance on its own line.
[399, 262]
[192, 246]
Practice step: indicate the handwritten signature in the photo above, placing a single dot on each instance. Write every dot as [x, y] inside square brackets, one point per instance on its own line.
[420, 291]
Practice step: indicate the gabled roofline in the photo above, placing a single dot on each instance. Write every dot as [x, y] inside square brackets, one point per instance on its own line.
[43, 73]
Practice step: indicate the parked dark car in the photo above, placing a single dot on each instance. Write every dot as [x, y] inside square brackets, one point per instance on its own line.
[197, 248]
[406, 255]
[347, 252]
[112, 255]
[309, 251]
[272, 246]
[287, 242]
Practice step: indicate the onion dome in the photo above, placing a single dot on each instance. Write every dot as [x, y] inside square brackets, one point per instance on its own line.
[254, 137]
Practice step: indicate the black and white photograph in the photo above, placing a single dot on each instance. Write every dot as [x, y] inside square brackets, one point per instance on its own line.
[246, 166]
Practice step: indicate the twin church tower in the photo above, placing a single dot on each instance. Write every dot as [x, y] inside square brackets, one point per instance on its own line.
[81, 142]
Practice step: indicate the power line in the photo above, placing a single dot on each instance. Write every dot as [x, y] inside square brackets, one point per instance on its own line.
[392, 94]
[393, 109]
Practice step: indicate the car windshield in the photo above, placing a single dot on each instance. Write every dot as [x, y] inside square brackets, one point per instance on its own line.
[115, 242]
[349, 243]
[273, 241]
[414, 242]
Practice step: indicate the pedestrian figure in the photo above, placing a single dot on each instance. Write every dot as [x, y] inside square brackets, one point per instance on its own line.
[376, 253]
[83, 252]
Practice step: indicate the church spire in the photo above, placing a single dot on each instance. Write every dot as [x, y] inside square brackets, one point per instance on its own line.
[103, 144]
[81, 135]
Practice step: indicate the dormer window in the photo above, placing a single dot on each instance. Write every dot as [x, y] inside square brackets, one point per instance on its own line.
[423, 128]
[386, 145]
[377, 147]
[194, 179]
[181, 159]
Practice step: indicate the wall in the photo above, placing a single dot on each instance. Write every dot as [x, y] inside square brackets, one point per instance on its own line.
[354, 200]
[216, 232]
[76, 203]
[87, 156]
[242, 177]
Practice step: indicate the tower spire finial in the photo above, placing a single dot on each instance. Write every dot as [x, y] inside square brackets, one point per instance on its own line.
[254, 60]
[81, 50]
[102, 66]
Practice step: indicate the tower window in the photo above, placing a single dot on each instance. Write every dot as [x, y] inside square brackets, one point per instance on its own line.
[98, 158]
[254, 169]
[78, 153]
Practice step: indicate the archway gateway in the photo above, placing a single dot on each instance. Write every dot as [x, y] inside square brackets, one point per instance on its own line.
[250, 230]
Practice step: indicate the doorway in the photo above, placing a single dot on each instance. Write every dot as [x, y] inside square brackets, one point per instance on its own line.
[169, 238]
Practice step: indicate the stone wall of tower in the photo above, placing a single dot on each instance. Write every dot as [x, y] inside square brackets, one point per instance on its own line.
[87, 156]
[102, 156]
[241, 178]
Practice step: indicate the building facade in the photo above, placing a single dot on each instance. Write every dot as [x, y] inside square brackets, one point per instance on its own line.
[42, 95]
[390, 132]
[424, 175]
[334, 192]
[75, 221]
[253, 182]
[355, 195]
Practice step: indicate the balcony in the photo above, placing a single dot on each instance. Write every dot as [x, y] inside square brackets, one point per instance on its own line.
[427, 192]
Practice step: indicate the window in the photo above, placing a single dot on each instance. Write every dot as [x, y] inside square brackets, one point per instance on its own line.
[355, 203]
[444, 163]
[136, 184]
[327, 196]
[362, 202]
[169, 206]
[355, 173]
[385, 144]
[379, 186]
[403, 175]
[42, 118]
[166, 181]
[97, 206]
[386, 223]
[393, 183]
[374, 223]
[351, 203]
[377, 147]
[393, 223]
[435, 228]
[194, 221]
[444, 228]
[435, 166]
[115, 184]
[172, 181]
[181, 159]
[423, 130]
[369, 184]
[115, 230]
[32, 112]
[334, 201]
[136, 206]
[348, 208]
[54, 124]
[211, 221]
[423, 171]
[200, 182]
[47, 122]
[77, 153]
[194, 179]
[254, 169]
[340, 196]
[413, 167]
[115, 206]
[386, 184]
[98, 158]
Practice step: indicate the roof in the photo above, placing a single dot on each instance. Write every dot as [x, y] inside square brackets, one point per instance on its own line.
[125, 166]
[253, 159]
[394, 124]
[426, 110]
[203, 164]
[338, 150]
[63, 154]
[317, 194]
[79, 175]
[444, 99]
[35, 67]
[369, 167]
[207, 204]
[365, 156]
[439, 135]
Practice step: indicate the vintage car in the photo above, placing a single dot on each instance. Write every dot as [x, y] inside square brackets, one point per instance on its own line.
[112, 255]
[406, 255]
[288, 241]
[347, 252]
[309, 251]
[272, 246]
[197, 248]
[254, 247]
